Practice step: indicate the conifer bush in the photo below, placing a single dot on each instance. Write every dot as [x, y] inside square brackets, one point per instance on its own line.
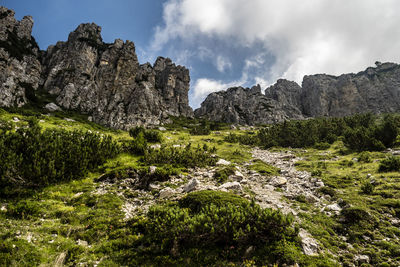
[31, 157]
[220, 227]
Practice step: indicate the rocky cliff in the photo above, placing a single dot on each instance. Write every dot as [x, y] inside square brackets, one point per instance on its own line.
[20, 67]
[245, 106]
[376, 90]
[85, 74]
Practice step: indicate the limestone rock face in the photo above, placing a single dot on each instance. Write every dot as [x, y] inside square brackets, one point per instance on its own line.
[376, 90]
[85, 74]
[243, 106]
[107, 81]
[19, 65]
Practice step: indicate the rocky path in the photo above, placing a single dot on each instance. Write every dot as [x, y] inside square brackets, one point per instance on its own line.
[277, 192]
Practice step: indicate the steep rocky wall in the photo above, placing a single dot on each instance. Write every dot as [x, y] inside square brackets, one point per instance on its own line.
[107, 81]
[85, 74]
[19, 65]
[376, 90]
[244, 106]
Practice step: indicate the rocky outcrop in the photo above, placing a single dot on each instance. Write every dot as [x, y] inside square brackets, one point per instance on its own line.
[19, 65]
[242, 106]
[85, 74]
[107, 81]
[376, 90]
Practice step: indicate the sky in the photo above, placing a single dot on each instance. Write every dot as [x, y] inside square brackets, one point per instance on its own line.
[227, 43]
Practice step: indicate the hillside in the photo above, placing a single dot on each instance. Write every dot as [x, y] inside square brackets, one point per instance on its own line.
[333, 205]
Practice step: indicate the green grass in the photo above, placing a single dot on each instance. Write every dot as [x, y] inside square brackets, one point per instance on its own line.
[264, 168]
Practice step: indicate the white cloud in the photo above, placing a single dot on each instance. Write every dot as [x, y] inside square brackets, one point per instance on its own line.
[223, 63]
[202, 87]
[304, 37]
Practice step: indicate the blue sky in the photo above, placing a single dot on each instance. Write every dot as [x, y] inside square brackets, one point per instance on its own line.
[228, 43]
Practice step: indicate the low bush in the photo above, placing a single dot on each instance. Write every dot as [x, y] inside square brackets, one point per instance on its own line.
[222, 174]
[32, 158]
[202, 129]
[187, 157]
[365, 157]
[389, 164]
[367, 188]
[264, 168]
[151, 135]
[210, 227]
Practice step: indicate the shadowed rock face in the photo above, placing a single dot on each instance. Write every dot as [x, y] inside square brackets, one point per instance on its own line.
[107, 81]
[19, 65]
[103, 80]
[376, 90]
[244, 106]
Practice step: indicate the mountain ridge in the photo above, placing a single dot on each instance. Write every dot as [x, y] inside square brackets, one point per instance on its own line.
[375, 90]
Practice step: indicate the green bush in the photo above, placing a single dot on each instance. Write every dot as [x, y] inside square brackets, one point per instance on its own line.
[389, 164]
[322, 146]
[202, 129]
[264, 168]
[367, 188]
[365, 157]
[151, 136]
[187, 157]
[222, 174]
[32, 158]
[213, 231]
[138, 145]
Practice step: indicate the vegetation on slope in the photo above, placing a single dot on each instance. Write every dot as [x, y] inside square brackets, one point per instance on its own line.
[69, 218]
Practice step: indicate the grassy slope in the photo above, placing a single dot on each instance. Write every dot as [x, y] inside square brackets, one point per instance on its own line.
[57, 217]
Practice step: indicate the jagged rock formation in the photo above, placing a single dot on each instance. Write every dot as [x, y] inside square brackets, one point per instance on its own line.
[19, 65]
[244, 106]
[376, 90]
[85, 74]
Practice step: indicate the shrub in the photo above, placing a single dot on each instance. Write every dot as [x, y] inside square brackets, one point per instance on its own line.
[222, 174]
[202, 129]
[180, 157]
[322, 146]
[151, 136]
[138, 145]
[365, 157]
[389, 164]
[367, 188]
[264, 168]
[211, 231]
[32, 158]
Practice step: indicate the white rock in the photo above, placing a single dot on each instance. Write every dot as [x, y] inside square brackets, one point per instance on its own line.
[309, 244]
[167, 192]
[237, 176]
[162, 128]
[236, 186]
[52, 107]
[191, 185]
[82, 243]
[152, 169]
[90, 118]
[155, 146]
[319, 184]
[3, 208]
[15, 119]
[334, 207]
[361, 258]
[278, 181]
[223, 162]
[68, 119]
